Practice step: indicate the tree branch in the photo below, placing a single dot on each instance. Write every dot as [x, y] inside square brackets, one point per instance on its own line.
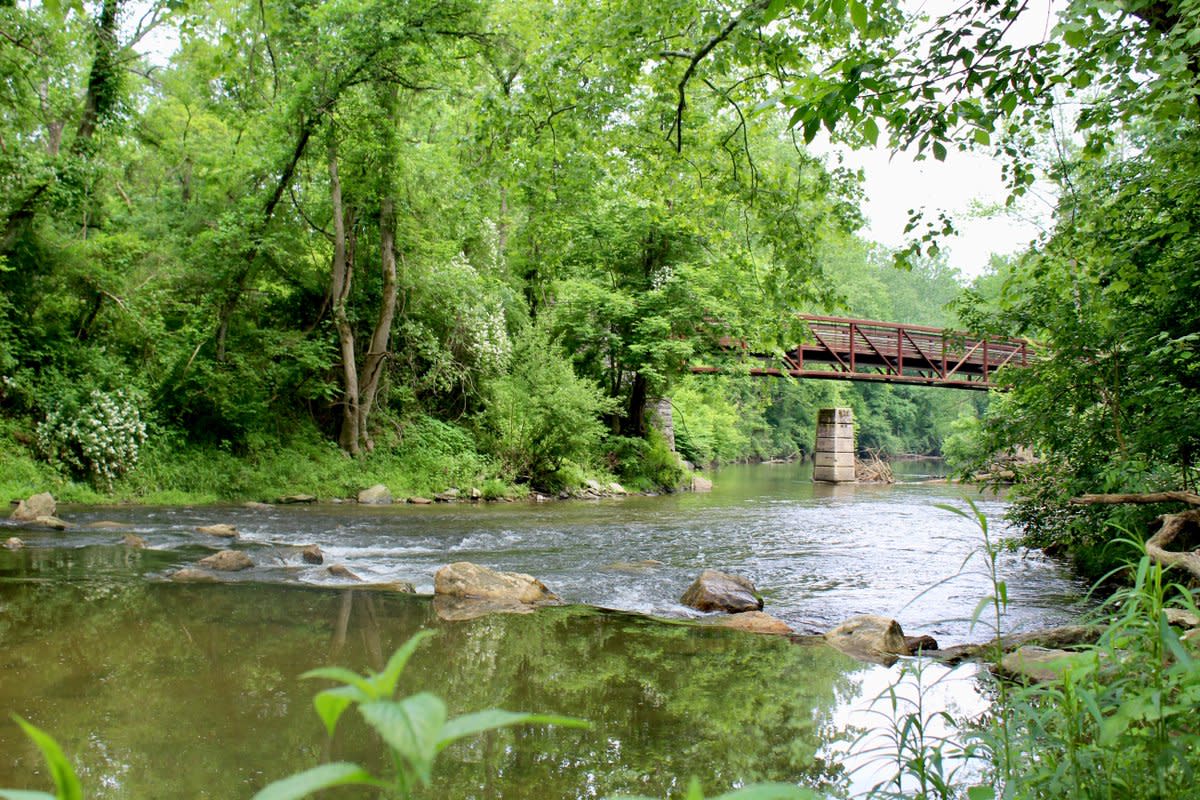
[1190, 498]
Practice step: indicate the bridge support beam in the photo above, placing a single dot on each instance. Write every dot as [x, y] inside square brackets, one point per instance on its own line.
[834, 455]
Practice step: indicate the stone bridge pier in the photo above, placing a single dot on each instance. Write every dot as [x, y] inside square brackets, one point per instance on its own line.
[833, 459]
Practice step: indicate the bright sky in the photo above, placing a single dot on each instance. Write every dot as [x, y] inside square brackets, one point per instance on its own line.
[896, 183]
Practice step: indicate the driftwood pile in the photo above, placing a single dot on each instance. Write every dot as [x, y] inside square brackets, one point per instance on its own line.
[873, 469]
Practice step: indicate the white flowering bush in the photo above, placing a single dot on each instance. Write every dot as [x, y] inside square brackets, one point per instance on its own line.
[99, 439]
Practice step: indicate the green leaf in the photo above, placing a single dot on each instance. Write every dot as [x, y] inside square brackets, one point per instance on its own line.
[326, 776]
[66, 783]
[480, 721]
[982, 137]
[412, 727]
[386, 680]
[344, 676]
[871, 130]
[858, 15]
[331, 703]
[939, 151]
[981, 793]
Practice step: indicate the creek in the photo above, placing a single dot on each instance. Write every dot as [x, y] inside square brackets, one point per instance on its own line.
[164, 690]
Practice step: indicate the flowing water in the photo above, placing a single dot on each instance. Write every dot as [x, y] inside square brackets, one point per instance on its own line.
[163, 690]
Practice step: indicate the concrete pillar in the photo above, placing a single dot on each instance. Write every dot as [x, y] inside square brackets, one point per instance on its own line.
[834, 456]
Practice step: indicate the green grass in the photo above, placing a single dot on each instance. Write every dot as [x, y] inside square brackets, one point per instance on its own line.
[423, 457]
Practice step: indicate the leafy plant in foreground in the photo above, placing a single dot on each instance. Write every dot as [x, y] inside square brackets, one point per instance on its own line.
[414, 729]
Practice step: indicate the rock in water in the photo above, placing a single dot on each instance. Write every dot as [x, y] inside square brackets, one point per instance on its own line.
[869, 636]
[339, 571]
[312, 555]
[461, 609]
[38, 505]
[53, 523]
[464, 579]
[616, 488]
[756, 622]
[420, 501]
[719, 591]
[294, 499]
[193, 575]
[106, 525]
[916, 644]
[13, 543]
[227, 561]
[377, 495]
[1041, 664]
[700, 484]
[221, 529]
[134, 541]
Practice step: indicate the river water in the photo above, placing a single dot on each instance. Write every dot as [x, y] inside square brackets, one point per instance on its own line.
[162, 690]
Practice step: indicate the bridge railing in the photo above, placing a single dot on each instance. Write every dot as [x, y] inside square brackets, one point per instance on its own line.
[840, 348]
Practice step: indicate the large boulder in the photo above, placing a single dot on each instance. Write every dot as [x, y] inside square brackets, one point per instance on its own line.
[464, 579]
[869, 637]
[13, 543]
[377, 495]
[756, 622]
[312, 554]
[341, 571]
[227, 561]
[719, 591]
[38, 505]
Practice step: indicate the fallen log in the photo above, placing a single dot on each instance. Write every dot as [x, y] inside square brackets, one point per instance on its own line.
[1173, 526]
[1054, 638]
[1190, 498]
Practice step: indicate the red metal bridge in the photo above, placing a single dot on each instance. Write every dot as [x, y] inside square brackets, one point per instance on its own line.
[837, 348]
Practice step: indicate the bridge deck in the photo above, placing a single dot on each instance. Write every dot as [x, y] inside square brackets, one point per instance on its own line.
[838, 348]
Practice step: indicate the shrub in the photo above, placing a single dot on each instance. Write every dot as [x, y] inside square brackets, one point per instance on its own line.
[99, 440]
[540, 414]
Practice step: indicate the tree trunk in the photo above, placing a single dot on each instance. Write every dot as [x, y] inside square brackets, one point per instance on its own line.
[102, 79]
[376, 356]
[635, 416]
[340, 280]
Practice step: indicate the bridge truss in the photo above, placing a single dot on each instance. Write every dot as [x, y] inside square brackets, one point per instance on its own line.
[837, 348]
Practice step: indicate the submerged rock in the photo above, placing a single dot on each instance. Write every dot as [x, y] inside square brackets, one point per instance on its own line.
[34, 506]
[377, 495]
[227, 561]
[461, 609]
[106, 525]
[720, 591]
[312, 554]
[13, 543]
[756, 622]
[134, 541]
[53, 523]
[193, 575]
[700, 484]
[464, 579]
[633, 566]
[221, 529]
[868, 637]
[339, 571]
[257, 506]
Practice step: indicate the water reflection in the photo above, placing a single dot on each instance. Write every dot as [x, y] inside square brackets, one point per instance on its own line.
[160, 690]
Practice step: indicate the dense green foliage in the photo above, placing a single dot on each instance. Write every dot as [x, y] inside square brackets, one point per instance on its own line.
[269, 226]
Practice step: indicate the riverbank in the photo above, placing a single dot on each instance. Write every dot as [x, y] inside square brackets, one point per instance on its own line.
[423, 459]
